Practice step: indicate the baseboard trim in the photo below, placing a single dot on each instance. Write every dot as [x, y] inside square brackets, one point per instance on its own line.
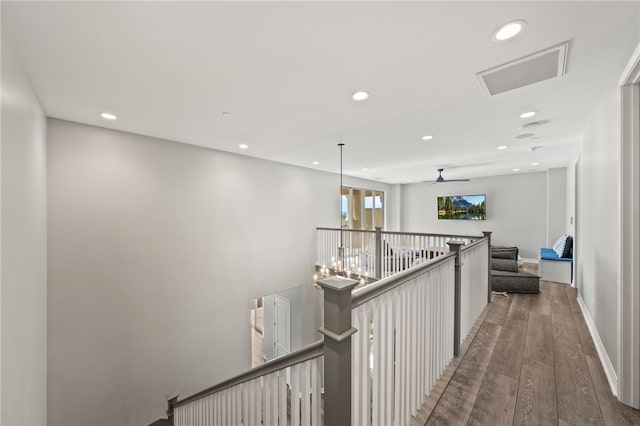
[609, 371]
[525, 260]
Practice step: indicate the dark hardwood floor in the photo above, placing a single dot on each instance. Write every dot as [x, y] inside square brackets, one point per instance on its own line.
[531, 362]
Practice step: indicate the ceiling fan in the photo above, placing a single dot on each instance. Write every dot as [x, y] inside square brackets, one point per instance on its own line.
[440, 179]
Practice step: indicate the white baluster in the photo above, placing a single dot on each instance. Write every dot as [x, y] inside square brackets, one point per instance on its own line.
[266, 402]
[295, 395]
[315, 392]
[305, 385]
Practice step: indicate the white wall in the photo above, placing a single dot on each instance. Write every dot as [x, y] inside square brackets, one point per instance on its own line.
[394, 207]
[516, 210]
[155, 250]
[556, 204]
[598, 270]
[598, 226]
[599, 213]
[23, 260]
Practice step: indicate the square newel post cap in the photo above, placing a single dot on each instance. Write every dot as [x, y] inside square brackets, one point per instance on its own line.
[172, 399]
[338, 284]
[455, 245]
[487, 233]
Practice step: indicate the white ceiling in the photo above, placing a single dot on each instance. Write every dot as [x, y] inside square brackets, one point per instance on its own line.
[285, 72]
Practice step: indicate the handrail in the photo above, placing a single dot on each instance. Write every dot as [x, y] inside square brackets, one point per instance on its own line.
[346, 230]
[473, 244]
[402, 233]
[314, 350]
[371, 291]
[431, 235]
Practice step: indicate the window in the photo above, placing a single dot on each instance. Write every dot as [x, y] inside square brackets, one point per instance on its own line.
[362, 208]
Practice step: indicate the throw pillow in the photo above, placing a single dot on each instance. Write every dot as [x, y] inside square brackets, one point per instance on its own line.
[568, 248]
[559, 245]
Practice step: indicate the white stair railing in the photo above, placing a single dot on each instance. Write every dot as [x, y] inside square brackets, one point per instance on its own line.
[394, 251]
[404, 343]
[261, 396]
[359, 249]
[408, 327]
[474, 284]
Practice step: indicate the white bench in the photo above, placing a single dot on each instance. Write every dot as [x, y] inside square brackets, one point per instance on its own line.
[551, 267]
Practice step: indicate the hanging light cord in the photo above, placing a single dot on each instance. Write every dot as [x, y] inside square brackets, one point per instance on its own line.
[341, 145]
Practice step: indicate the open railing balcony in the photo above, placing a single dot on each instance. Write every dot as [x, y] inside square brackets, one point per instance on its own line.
[385, 344]
[379, 253]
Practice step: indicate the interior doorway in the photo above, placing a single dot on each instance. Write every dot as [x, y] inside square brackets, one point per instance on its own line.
[576, 220]
[276, 325]
[629, 294]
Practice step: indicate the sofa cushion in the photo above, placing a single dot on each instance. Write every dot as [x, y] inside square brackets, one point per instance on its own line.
[550, 254]
[509, 265]
[515, 282]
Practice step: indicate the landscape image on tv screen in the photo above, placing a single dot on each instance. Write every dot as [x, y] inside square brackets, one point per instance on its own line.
[464, 207]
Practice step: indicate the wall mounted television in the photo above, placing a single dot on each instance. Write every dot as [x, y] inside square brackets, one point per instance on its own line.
[462, 207]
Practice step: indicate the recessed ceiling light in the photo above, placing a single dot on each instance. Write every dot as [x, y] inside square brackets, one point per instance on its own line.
[501, 147]
[535, 148]
[108, 116]
[528, 114]
[516, 170]
[427, 137]
[410, 180]
[243, 146]
[364, 169]
[535, 164]
[315, 163]
[226, 113]
[360, 96]
[508, 30]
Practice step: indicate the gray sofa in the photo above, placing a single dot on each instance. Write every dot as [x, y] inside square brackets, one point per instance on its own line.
[505, 274]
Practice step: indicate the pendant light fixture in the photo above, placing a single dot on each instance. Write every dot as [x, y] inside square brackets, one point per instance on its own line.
[341, 246]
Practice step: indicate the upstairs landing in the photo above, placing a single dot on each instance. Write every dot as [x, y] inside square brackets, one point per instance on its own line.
[530, 360]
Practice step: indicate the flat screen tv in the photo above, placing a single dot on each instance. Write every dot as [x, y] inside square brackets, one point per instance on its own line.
[462, 207]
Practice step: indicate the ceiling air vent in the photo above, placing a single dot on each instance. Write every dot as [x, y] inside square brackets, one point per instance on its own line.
[540, 66]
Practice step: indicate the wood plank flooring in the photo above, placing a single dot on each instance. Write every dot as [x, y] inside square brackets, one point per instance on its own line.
[531, 362]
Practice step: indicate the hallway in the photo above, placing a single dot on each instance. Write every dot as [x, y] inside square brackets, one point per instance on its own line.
[531, 362]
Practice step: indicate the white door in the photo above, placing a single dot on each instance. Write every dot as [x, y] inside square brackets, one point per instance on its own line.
[281, 325]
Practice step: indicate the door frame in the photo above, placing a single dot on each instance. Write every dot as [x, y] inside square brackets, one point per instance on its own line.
[629, 283]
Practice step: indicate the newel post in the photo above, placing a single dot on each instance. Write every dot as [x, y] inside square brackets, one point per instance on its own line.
[454, 247]
[378, 271]
[171, 402]
[337, 332]
[487, 234]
